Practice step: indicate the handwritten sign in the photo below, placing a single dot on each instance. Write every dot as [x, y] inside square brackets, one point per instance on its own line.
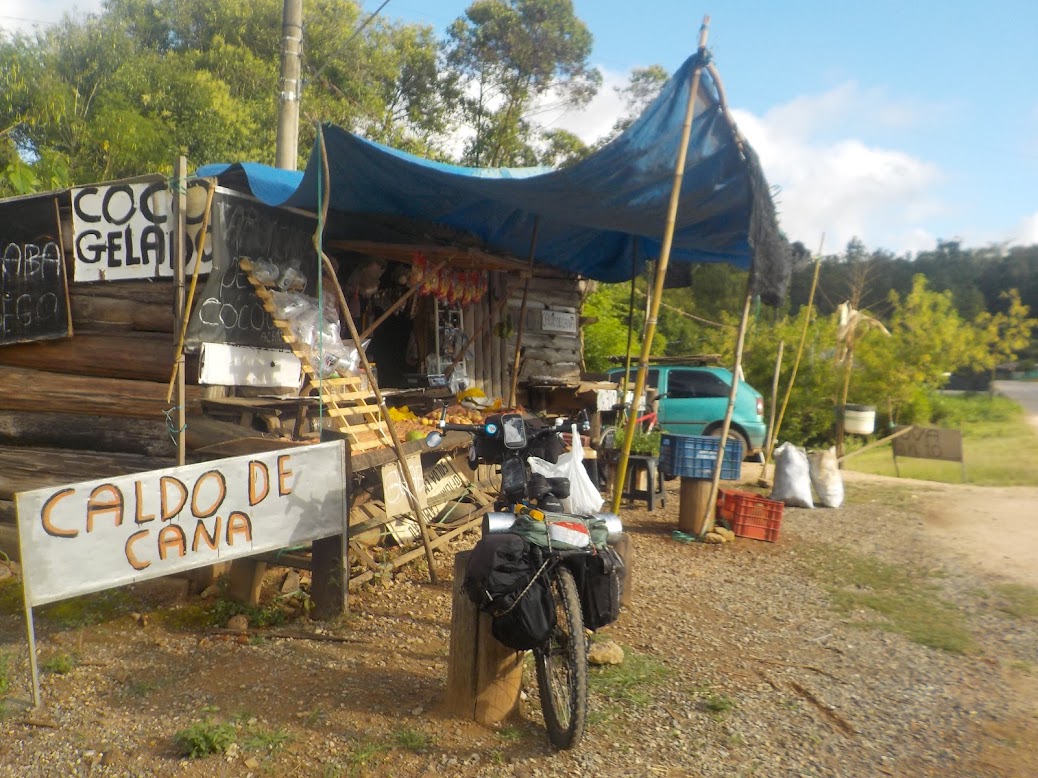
[33, 293]
[929, 443]
[95, 535]
[229, 310]
[125, 230]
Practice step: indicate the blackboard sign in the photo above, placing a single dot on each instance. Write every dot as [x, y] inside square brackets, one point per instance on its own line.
[33, 288]
[227, 309]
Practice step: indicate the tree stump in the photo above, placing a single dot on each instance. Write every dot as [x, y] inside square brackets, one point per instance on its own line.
[483, 676]
[692, 510]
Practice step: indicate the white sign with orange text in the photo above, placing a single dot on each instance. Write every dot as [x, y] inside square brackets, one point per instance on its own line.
[96, 535]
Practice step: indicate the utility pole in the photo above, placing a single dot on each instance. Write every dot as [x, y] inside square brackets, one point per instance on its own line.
[288, 96]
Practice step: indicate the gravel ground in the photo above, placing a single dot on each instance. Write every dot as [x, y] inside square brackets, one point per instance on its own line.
[749, 669]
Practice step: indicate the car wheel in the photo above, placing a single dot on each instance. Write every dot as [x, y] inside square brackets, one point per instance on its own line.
[732, 435]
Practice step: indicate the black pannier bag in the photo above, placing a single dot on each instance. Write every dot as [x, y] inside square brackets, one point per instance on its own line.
[499, 579]
[601, 588]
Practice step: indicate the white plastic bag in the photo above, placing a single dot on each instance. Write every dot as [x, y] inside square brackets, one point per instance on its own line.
[792, 477]
[584, 497]
[826, 478]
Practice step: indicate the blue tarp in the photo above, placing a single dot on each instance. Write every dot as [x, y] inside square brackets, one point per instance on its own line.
[595, 217]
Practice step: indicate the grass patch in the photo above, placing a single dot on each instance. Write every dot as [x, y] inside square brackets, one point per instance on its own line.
[5, 675]
[204, 738]
[59, 664]
[89, 609]
[718, 704]
[510, 733]
[999, 446]
[216, 613]
[1019, 601]
[11, 600]
[412, 739]
[364, 756]
[631, 682]
[904, 600]
[259, 739]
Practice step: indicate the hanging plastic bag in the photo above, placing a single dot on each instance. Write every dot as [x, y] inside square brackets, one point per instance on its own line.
[584, 497]
[792, 477]
[826, 478]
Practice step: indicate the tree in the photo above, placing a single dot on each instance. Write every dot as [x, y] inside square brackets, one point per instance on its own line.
[929, 341]
[643, 86]
[1004, 335]
[124, 92]
[510, 55]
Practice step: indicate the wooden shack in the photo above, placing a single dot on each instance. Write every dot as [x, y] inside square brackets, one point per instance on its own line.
[91, 334]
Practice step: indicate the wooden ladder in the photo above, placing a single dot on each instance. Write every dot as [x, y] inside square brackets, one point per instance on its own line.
[348, 404]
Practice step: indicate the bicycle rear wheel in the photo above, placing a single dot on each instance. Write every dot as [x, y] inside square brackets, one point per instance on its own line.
[562, 665]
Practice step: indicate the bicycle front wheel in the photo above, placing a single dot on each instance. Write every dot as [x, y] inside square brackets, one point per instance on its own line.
[562, 665]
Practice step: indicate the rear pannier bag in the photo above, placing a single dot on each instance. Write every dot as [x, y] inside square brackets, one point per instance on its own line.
[601, 588]
[500, 580]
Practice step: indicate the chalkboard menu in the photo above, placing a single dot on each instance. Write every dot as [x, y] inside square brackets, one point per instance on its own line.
[33, 287]
[226, 308]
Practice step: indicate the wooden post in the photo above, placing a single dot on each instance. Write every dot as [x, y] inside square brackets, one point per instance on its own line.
[246, 580]
[483, 676]
[521, 324]
[179, 304]
[763, 480]
[694, 509]
[329, 583]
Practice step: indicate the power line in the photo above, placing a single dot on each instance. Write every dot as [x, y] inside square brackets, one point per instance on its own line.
[349, 40]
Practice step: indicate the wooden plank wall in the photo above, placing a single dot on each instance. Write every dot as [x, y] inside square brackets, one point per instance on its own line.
[96, 397]
[547, 355]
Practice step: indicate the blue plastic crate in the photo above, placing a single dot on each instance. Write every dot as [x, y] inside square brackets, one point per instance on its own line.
[695, 456]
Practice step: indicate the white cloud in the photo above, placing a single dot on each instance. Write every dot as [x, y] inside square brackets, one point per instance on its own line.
[1026, 233]
[843, 188]
[598, 118]
[26, 15]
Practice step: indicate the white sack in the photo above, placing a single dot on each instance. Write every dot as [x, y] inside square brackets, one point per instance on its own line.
[826, 478]
[792, 477]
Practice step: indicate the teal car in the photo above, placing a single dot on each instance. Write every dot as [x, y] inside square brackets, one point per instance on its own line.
[693, 401]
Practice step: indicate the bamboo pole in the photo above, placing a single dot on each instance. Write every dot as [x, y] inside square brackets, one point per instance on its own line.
[630, 330]
[513, 388]
[185, 313]
[661, 267]
[708, 518]
[800, 351]
[412, 492]
[763, 480]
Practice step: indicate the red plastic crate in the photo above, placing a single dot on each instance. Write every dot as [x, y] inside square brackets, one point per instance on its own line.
[750, 515]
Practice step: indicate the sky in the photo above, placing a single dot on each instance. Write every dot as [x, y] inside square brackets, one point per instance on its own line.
[897, 123]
